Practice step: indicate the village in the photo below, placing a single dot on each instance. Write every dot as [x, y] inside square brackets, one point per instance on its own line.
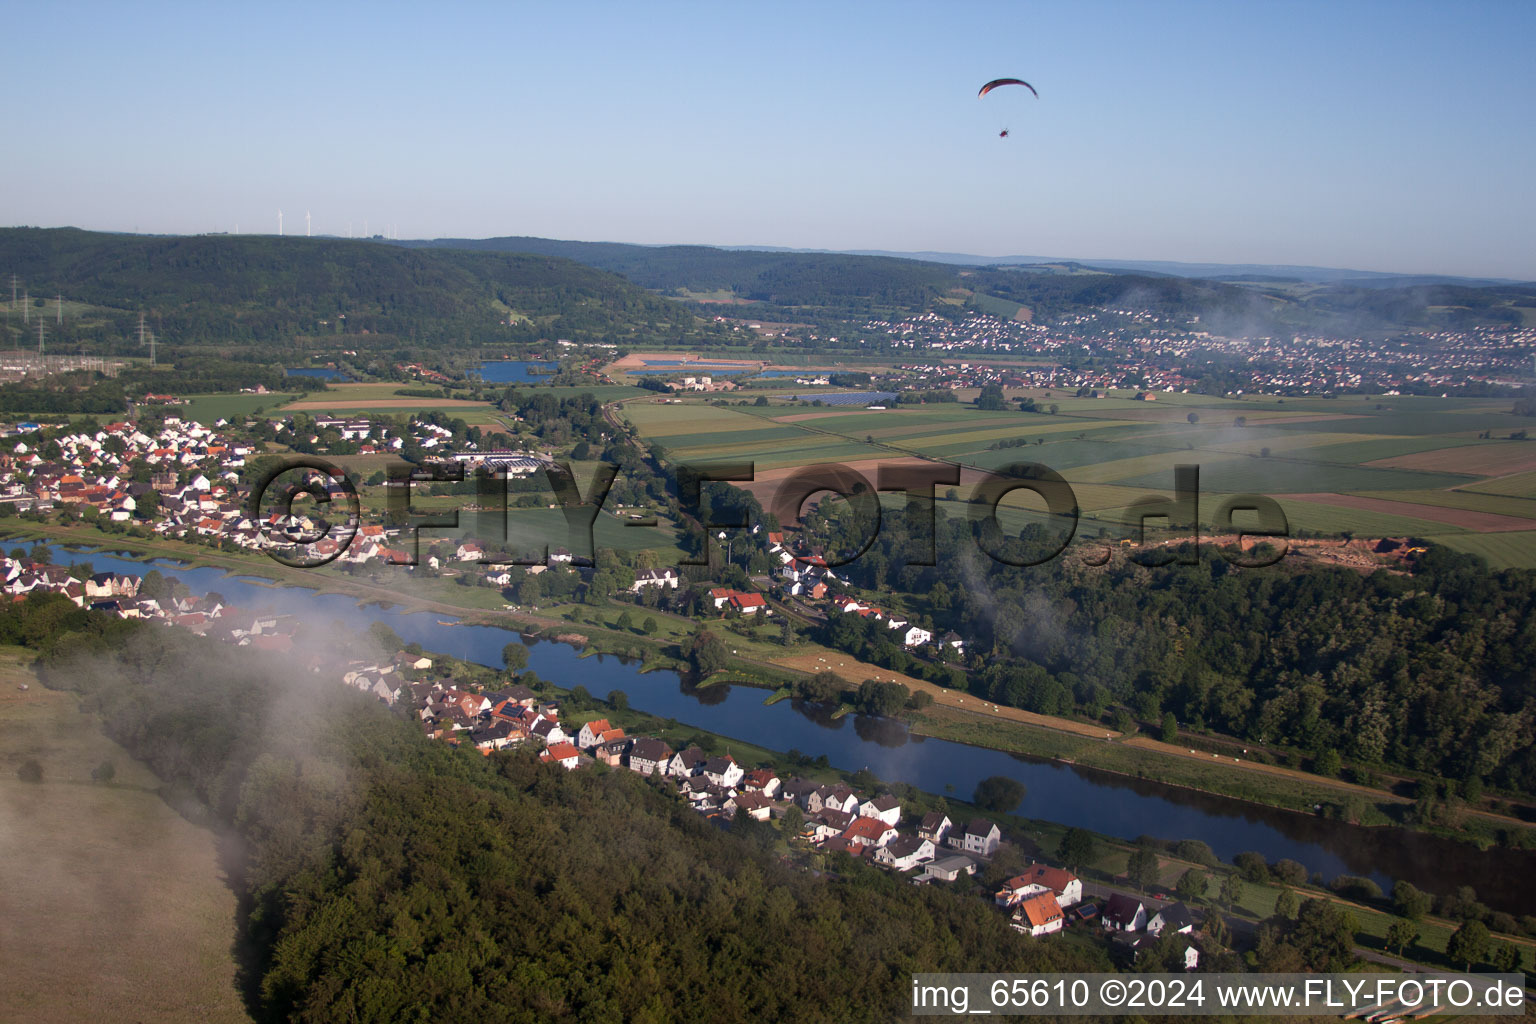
[825, 817]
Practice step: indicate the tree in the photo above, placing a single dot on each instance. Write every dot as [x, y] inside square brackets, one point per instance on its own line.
[1170, 727]
[385, 637]
[1009, 862]
[1409, 902]
[1231, 890]
[793, 820]
[1077, 848]
[1325, 935]
[649, 626]
[1469, 944]
[707, 652]
[30, 771]
[1290, 872]
[998, 793]
[991, 398]
[1253, 866]
[515, 657]
[1143, 868]
[884, 699]
[1216, 930]
[104, 772]
[624, 621]
[1193, 417]
[1401, 935]
[618, 700]
[1506, 958]
[1192, 884]
[1287, 903]
[1328, 763]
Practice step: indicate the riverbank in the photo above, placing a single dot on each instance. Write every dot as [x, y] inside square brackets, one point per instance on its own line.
[769, 664]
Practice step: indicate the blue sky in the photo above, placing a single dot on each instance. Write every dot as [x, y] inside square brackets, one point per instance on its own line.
[1376, 136]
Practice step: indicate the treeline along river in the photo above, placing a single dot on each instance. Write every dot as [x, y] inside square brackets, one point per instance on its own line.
[1101, 801]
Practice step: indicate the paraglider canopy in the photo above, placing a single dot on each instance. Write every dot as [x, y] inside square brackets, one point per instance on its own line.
[1005, 81]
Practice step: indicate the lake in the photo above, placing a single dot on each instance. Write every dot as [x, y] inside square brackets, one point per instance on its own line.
[516, 371]
[322, 372]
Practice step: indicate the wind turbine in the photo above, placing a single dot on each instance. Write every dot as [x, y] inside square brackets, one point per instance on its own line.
[306, 224]
[279, 223]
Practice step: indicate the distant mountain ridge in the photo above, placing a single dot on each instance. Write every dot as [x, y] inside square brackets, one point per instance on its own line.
[1239, 299]
[1174, 268]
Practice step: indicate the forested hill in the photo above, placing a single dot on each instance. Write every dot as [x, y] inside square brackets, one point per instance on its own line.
[829, 280]
[394, 878]
[262, 288]
[837, 283]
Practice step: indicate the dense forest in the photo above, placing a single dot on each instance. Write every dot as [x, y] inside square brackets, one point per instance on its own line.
[852, 285]
[1432, 671]
[281, 298]
[390, 878]
[250, 288]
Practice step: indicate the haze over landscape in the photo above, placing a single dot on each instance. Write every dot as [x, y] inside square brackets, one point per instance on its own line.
[1371, 136]
[660, 513]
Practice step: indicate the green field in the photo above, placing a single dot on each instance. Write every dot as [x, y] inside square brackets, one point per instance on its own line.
[1335, 519]
[1516, 550]
[103, 874]
[1520, 485]
[209, 409]
[531, 530]
[1114, 450]
[1474, 501]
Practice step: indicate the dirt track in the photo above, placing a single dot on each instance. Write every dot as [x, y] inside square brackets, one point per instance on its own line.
[856, 672]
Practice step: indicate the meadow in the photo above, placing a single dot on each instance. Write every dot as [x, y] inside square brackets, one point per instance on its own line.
[105, 873]
[1368, 466]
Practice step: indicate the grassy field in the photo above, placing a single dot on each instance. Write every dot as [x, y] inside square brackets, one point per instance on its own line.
[1384, 466]
[1520, 485]
[208, 409]
[1335, 519]
[117, 907]
[1502, 550]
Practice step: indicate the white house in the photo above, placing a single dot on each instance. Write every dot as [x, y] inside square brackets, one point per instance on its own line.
[1039, 915]
[723, 771]
[1124, 914]
[916, 637]
[885, 808]
[686, 763]
[591, 734]
[980, 836]
[1175, 916]
[905, 853]
[564, 754]
[838, 798]
[935, 825]
[662, 578]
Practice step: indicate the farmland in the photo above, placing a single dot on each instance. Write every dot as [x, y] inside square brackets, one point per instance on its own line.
[114, 877]
[1379, 466]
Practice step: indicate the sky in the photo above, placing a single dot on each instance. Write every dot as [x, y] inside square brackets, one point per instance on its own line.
[1375, 136]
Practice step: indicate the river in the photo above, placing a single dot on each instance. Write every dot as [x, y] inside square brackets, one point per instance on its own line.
[1101, 801]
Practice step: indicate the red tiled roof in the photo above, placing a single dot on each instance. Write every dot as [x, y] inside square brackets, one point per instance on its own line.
[1040, 909]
